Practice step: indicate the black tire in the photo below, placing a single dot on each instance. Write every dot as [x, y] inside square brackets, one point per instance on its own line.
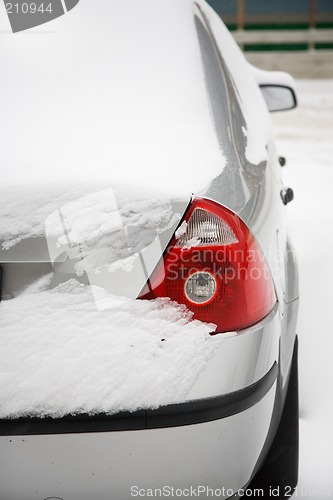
[278, 476]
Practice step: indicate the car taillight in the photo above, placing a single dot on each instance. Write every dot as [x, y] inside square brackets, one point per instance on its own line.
[215, 267]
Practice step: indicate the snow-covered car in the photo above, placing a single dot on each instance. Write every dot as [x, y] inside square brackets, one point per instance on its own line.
[149, 287]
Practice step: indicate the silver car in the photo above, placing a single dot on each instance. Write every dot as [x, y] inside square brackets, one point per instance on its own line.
[143, 213]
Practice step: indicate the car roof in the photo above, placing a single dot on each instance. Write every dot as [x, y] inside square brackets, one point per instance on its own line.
[113, 89]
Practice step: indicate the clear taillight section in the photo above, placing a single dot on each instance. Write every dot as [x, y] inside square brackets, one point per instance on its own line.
[215, 267]
[205, 228]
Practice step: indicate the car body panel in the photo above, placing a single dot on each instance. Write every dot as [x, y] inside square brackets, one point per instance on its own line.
[76, 466]
[243, 359]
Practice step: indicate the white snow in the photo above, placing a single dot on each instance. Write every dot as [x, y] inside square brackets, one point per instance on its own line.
[193, 242]
[111, 96]
[181, 230]
[107, 227]
[305, 137]
[102, 228]
[59, 354]
[24, 210]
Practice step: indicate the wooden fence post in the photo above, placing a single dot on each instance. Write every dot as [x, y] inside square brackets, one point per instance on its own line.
[312, 21]
[240, 14]
[313, 14]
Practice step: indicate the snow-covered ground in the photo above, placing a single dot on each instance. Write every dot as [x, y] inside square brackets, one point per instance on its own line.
[305, 137]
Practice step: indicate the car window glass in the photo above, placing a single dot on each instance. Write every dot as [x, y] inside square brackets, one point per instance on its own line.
[226, 111]
[250, 98]
[216, 87]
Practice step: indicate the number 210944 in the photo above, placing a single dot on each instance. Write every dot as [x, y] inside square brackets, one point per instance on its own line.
[28, 8]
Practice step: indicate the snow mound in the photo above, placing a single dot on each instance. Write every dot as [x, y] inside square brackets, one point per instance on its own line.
[59, 355]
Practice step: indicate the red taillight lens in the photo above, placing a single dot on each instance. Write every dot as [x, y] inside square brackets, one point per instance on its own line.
[214, 266]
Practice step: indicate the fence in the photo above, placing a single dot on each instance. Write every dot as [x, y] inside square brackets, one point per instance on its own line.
[300, 32]
[257, 14]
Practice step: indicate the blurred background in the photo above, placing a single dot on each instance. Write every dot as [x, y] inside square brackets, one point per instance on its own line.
[298, 32]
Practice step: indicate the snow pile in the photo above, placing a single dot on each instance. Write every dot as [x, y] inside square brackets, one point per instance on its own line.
[116, 96]
[59, 355]
[24, 210]
[108, 228]
[96, 227]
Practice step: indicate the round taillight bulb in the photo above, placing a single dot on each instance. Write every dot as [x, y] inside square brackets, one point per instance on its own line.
[200, 287]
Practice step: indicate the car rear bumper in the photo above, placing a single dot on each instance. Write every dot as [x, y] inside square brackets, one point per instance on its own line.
[212, 441]
[219, 454]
